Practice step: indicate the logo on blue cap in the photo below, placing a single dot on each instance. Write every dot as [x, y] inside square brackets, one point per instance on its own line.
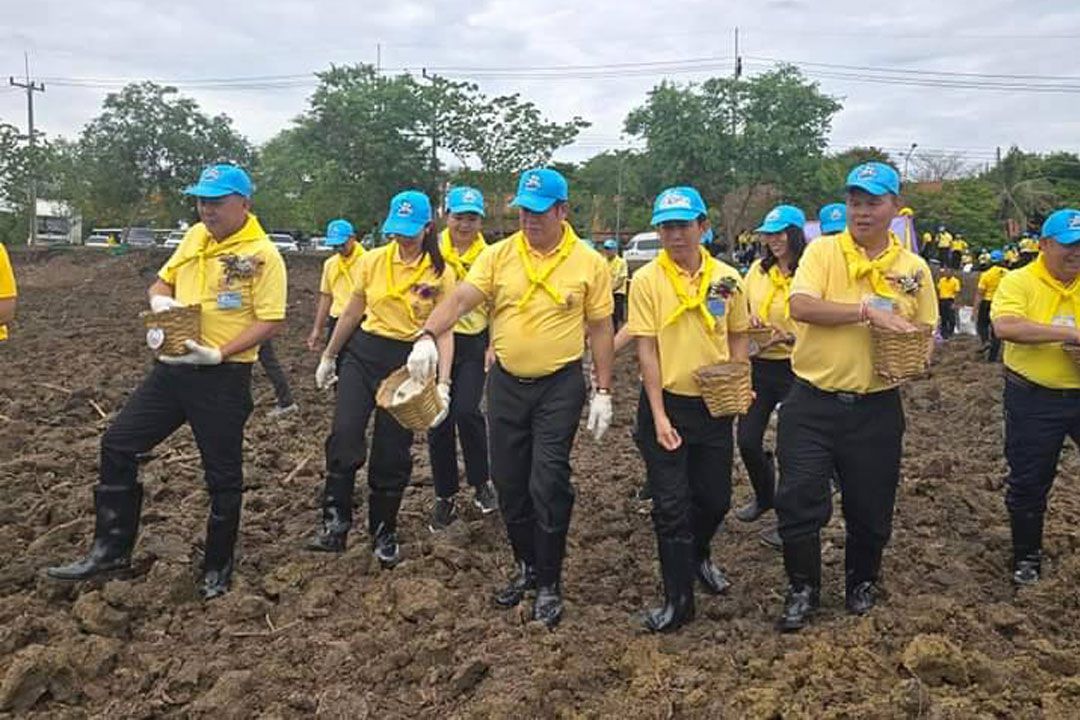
[539, 189]
[1063, 226]
[409, 212]
[782, 217]
[875, 178]
[218, 181]
[681, 203]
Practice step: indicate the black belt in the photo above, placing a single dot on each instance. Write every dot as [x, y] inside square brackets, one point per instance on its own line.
[575, 365]
[1011, 376]
[847, 398]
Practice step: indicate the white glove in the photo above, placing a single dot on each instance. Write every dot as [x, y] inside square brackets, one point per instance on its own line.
[444, 394]
[161, 303]
[423, 360]
[599, 415]
[326, 373]
[197, 355]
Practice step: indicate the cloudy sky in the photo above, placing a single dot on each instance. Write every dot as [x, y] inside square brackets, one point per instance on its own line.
[950, 76]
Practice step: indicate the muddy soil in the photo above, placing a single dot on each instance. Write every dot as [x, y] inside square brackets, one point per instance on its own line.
[305, 635]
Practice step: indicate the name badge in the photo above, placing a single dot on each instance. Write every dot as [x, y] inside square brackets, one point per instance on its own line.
[880, 303]
[1064, 321]
[230, 300]
[716, 307]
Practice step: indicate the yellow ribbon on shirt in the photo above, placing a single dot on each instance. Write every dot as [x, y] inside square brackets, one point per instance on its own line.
[344, 265]
[1064, 294]
[688, 303]
[860, 266]
[460, 263]
[539, 279]
[398, 291]
[781, 283]
[250, 232]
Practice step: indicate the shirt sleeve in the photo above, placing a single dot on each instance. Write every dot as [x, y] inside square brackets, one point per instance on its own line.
[811, 274]
[1010, 298]
[641, 309]
[167, 273]
[7, 276]
[270, 288]
[482, 273]
[599, 302]
[324, 282]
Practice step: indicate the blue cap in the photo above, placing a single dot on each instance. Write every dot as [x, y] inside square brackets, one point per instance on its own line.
[220, 180]
[996, 256]
[539, 189]
[409, 212]
[611, 244]
[707, 236]
[875, 178]
[465, 200]
[833, 218]
[338, 232]
[782, 217]
[1063, 226]
[678, 203]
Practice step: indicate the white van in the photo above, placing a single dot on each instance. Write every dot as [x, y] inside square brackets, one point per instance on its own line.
[641, 248]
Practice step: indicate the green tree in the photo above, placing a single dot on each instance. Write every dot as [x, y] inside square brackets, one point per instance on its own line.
[1023, 192]
[967, 206]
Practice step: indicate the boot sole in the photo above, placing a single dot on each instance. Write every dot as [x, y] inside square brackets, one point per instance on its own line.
[110, 572]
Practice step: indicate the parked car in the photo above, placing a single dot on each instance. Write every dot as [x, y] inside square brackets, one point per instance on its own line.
[284, 243]
[641, 248]
[141, 237]
[318, 244]
[97, 241]
[174, 238]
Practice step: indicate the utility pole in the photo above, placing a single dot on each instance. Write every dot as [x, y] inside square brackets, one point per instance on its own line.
[434, 80]
[618, 199]
[31, 190]
[907, 159]
[378, 58]
[737, 76]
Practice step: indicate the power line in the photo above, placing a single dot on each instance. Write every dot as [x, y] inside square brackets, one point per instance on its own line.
[919, 71]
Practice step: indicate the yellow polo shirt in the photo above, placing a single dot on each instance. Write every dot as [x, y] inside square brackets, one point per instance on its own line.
[759, 289]
[948, 287]
[475, 321]
[339, 278]
[537, 328]
[989, 280]
[839, 358]
[399, 296]
[7, 284]
[1032, 293]
[237, 281]
[620, 274]
[685, 340]
[944, 240]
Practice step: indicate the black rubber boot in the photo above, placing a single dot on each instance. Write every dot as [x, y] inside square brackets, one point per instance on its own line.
[337, 511]
[704, 527]
[1027, 531]
[862, 568]
[222, 527]
[523, 542]
[550, 550]
[763, 480]
[802, 561]
[676, 561]
[116, 509]
[382, 525]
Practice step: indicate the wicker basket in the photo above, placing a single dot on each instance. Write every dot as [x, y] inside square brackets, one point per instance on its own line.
[759, 338]
[415, 408]
[725, 388]
[167, 330]
[900, 356]
[1073, 351]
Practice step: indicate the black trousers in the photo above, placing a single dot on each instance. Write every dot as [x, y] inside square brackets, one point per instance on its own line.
[985, 328]
[531, 428]
[366, 361]
[215, 401]
[691, 486]
[269, 361]
[861, 437]
[1037, 421]
[619, 315]
[465, 420]
[947, 311]
[772, 382]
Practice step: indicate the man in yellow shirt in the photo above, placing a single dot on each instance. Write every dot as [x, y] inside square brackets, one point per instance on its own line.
[944, 245]
[228, 266]
[545, 288]
[840, 414]
[989, 279]
[1035, 310]
[957, 249]
[687, 310]
[948, 287]
[620, 280]
[8, 292]
[340, 273]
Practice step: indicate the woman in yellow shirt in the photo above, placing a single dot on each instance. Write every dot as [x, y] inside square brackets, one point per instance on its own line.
[338, 279]
[397, 288]
[767, 286]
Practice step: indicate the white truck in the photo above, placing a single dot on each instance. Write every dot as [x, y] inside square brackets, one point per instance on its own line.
[57, 223]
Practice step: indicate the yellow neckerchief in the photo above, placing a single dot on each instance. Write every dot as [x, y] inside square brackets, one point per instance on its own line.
[1070, 292]
[540, 279]
[687, 303]
[344, 265]
[398, 291]
[460, 263]
[250, 232]
[861, 266]
[780, 283]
